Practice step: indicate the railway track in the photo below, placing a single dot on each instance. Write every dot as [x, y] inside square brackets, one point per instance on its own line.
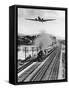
[52, 72]
[31, 61]
[43, 69]
[55, 68]
[24, 75]
[47, 71]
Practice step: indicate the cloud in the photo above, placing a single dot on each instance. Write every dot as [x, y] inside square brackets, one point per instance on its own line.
[22, 12]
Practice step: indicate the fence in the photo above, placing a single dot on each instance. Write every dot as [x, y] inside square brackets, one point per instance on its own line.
[30, 51]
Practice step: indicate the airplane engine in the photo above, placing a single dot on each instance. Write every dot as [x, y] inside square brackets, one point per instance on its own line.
[42, 18]
[36, 19]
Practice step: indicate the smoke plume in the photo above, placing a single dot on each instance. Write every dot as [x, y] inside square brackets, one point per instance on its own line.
[43, 40]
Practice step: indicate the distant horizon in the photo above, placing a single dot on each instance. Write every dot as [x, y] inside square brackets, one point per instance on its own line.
[58, 37]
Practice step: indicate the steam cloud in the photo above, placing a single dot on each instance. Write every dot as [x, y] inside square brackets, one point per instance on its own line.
[43, 41]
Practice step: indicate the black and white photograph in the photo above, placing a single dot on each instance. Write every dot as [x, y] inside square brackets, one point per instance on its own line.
[41, 45]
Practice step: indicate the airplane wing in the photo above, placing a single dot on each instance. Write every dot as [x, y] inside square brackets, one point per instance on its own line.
[32, 19]
[49, 19]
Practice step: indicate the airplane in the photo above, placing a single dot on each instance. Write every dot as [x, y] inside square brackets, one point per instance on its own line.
[40, 19]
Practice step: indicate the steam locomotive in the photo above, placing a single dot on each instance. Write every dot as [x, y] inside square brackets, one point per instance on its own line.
[42, 54]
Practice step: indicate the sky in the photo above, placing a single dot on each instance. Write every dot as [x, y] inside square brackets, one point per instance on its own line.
[56, 27]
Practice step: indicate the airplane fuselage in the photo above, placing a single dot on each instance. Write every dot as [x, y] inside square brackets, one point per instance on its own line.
[41, 19]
